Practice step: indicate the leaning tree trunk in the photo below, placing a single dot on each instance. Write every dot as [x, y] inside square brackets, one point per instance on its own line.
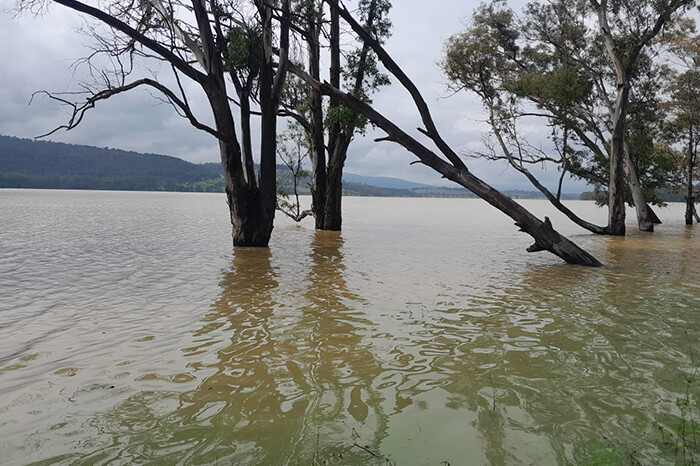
[546, 238]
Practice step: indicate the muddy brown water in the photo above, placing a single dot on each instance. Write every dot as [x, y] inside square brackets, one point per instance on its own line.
[131, 332]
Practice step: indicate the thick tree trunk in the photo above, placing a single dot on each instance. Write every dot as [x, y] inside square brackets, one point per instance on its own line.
[644, 219]
[333, 216]
[616, 186]
[546, 238]
[332, 207]
[251, 226]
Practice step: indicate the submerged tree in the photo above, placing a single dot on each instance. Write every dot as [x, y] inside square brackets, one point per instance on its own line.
[517, 82]
[331, 128]
[203, 42]
[451, 166]
[683, 127]
[627, 29]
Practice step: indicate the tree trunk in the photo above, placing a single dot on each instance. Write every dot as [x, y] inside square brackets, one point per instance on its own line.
[689, 198]
[251, 227]
[332, 208]
[333, 216]
[616, 186]
[316, 136]
[644, 219]
[252, 224]
[270, 88]
[546, 238]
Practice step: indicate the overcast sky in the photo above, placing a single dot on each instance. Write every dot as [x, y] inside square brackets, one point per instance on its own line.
[37, 54]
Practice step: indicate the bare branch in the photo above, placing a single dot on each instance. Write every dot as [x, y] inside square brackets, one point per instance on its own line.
[79, 110]
[119, 25]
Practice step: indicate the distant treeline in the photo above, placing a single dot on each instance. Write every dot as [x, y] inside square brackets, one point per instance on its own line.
[664, 195]
[25, 163]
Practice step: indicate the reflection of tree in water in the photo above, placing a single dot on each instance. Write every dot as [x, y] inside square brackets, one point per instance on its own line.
[342, 358]
[339, 357]
[285, 379]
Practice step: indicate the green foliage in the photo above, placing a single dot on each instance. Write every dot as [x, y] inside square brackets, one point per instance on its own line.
[561, 88]
[244, 52]
[347, 120]
[553, 60]
[374, 17]
[361, 67]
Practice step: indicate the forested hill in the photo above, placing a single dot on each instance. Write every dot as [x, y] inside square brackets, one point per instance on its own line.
[25, 163]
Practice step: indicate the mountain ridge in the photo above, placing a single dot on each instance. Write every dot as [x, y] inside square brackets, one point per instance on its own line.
[26, 163]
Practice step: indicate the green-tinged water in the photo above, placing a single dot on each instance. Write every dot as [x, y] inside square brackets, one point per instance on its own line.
[131, 333]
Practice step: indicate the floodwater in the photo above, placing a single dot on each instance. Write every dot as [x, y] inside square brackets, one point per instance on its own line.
[132, 333]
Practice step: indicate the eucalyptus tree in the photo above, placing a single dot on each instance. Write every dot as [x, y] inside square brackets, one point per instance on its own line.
[332, 126]
[552, 65]
[442, 158]
[519, 81]
[627, 29]
[683, 126]
[211, 44]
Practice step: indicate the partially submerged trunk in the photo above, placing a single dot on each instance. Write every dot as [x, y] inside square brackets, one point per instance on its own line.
[689, 197]
[546, 238]
[645, 218]
[337, 149]
[616, 186]
[328, 162]
[333, 215]
[252, 224]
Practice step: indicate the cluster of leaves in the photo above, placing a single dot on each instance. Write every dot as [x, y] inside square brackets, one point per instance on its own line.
[244, 52]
